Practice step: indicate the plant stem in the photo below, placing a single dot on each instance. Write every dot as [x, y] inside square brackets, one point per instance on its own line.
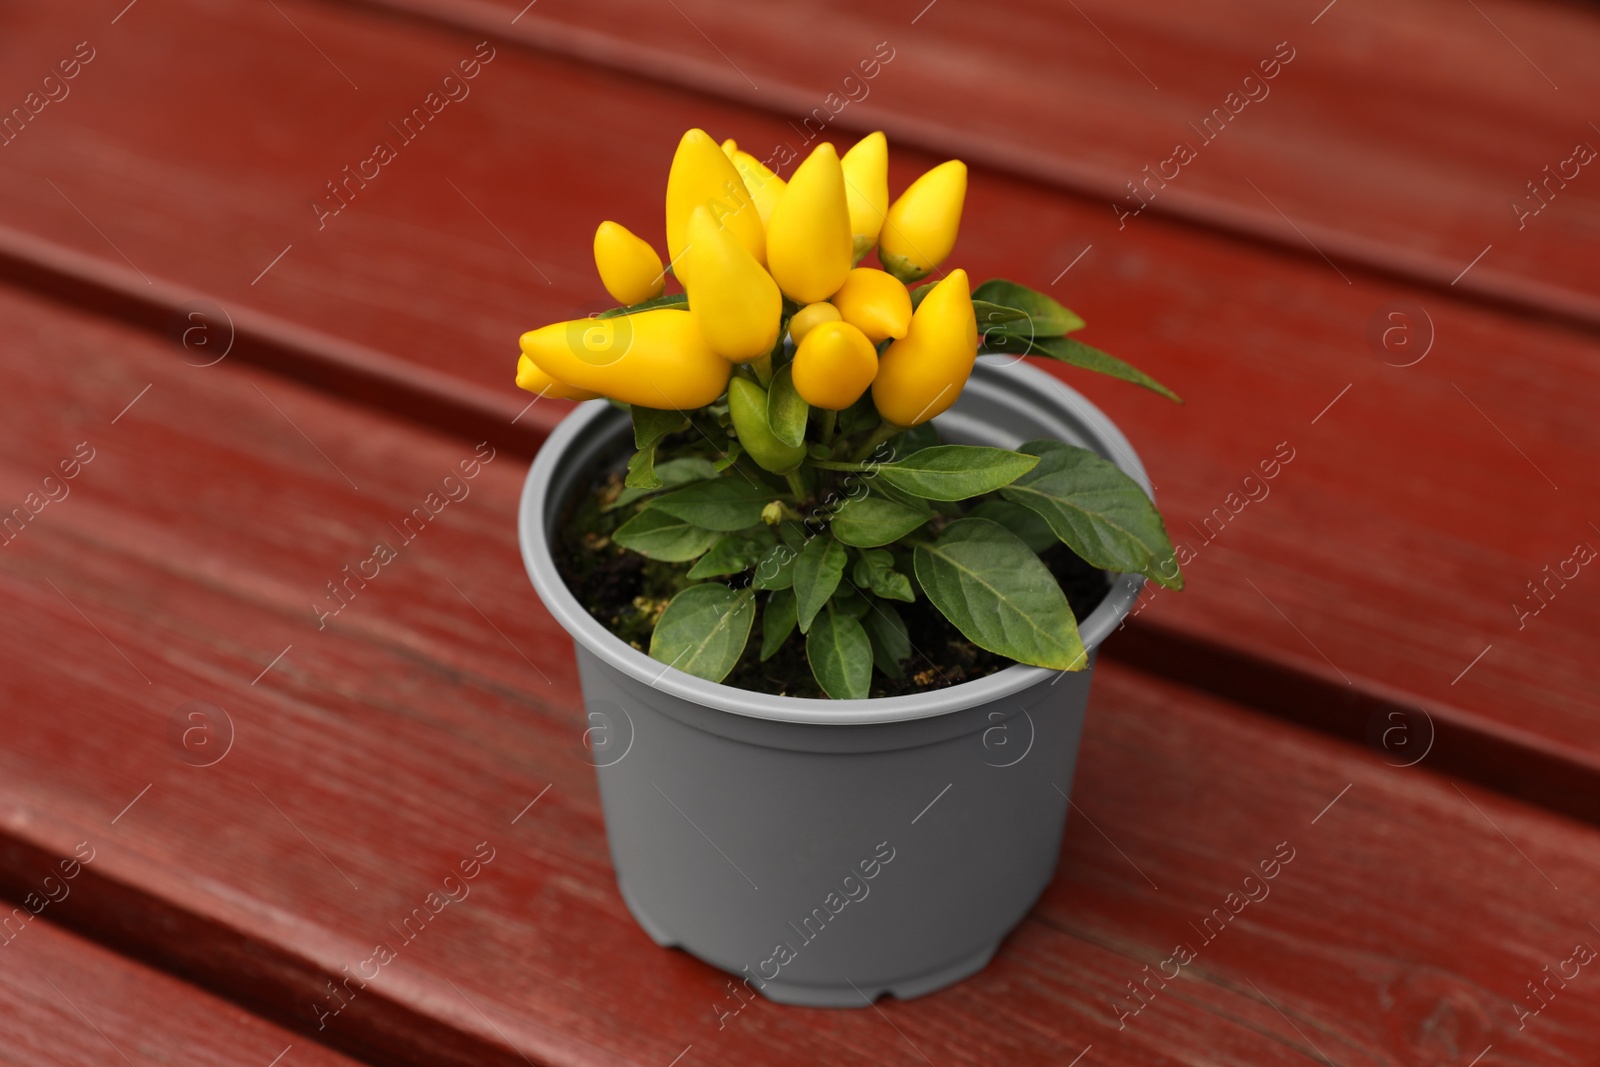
[833, 465]
[763, 368]
[829, 419]
[796, 485]
[884, 431]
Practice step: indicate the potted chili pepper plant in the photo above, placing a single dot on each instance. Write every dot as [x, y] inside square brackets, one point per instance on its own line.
[835, 583]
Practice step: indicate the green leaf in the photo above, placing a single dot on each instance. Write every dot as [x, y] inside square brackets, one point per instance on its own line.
[1025, 523]
[673, 472]
[860, 416]
[955, 472]
[1045, 317]
[665, 537]
[919, 293]
[642, 469]
[650, 425]
[1077, 354]
[891, 643]
[775, 570]
[875, 572]
[999, 595]
[873, 520]
[777, 622]
[840, 655]
[734, 553]
[669, 300]
[849, 602]
[1002, 333]
[704, 630]
[786, 409]
[727, 504]
[889, 492]
[687, 469]
[991, 314]
[729, 457]
[794, 534]
[816, 575]
[1096, 510]
[915, 439]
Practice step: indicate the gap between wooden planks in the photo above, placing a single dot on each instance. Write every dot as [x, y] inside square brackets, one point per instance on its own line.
[67, 1002]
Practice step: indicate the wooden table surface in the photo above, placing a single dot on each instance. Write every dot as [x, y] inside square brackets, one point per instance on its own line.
[1377, 663]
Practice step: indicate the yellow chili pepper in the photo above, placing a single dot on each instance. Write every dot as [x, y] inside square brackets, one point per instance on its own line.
[534, 380]
[733, 300]
[703, 174]
[920, 375]
[875, 303]
[656, 359]
[808, 236]
[629, 268]
[747, 407]
[921, 228]
[810, 317]
[765, 187]
[866, 187]
[834, 365]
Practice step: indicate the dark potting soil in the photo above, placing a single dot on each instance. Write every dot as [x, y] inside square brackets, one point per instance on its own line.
[626, 593]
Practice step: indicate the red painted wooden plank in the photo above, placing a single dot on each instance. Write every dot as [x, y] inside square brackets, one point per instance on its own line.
[67, 1002]
[1425, 484]
[371, 756]
[205, 333]
[1408, 145]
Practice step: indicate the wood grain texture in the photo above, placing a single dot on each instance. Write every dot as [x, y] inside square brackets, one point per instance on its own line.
[1397, 142]
[67, 1002]
[370, 757]
[1437, 491]
[205, 333]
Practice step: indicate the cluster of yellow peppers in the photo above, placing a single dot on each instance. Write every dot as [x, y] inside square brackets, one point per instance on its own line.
[748, 246]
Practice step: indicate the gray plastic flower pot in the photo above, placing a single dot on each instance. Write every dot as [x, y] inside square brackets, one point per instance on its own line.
[825, 852]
